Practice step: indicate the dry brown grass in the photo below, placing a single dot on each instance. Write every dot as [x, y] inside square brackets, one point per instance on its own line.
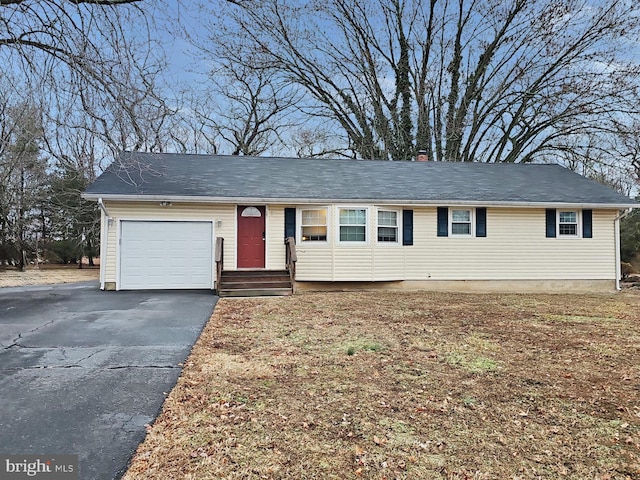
[406, 386]
[47, 274]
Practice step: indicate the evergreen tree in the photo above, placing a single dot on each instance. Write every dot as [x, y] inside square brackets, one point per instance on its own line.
[23, 173]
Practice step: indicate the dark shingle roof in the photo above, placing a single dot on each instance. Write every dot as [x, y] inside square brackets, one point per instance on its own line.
[216, 178]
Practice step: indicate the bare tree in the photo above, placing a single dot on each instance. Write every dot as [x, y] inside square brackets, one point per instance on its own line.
[627, 145]
[92, 64]
[191, 131]
[316, 140]
[252, 108]
[465, 80]
[94, 69]
[67, 31]
[244, 105]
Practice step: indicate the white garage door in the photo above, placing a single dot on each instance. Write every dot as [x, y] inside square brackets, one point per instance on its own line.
[165, 255]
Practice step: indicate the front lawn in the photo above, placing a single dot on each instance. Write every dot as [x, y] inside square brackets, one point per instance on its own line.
[406, 385]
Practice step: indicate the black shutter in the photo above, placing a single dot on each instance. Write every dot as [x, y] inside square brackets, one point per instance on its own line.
[443, 222]
[587, 223]
[289, 223]
[481, 222]
[551, 222]
[407, 227]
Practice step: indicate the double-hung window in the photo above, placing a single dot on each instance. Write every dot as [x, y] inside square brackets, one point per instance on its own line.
[387, 226]
[353, 224]
[460, 222]
[313, 225]
[567, 223]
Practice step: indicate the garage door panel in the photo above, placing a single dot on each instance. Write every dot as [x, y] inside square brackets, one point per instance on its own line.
[166, 255]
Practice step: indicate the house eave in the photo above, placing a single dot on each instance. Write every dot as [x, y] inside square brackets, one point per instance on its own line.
[376, 201]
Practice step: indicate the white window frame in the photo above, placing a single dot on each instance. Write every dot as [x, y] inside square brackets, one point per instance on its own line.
[300, 225]
[367, 224]
[472, 223]
[398, 226]
[578, 224]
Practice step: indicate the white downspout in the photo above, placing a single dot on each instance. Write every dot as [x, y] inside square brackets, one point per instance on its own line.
[104, 239]
[619, 217]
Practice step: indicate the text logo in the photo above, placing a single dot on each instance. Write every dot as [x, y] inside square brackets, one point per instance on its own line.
[47, 467]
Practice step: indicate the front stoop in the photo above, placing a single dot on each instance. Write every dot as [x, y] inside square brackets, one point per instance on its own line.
[254, 283]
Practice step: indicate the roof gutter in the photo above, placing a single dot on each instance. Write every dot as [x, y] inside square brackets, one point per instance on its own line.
[376, 201]
[626, 212]
[102, 207]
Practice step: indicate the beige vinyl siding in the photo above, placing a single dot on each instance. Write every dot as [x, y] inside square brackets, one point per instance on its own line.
[225, 214]
[112, 240]
[275, 257]
[423, 253]
[317, 258]
[345, 261]
[352, 263]
[389, 262]
[515, 249]
[316, 262]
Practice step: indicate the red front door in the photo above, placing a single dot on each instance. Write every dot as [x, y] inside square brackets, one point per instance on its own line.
[251, 239]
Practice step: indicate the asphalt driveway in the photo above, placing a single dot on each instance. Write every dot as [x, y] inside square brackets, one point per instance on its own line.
[83, 371]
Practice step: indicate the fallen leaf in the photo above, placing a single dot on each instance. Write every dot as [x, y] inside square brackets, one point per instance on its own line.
[359, 450]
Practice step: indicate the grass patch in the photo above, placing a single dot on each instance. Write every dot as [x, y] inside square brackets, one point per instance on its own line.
[353, 347]
[472, 364]
[579, 318]
[406, 386]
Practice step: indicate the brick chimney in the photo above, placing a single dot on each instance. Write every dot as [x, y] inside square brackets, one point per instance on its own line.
[422, 156]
